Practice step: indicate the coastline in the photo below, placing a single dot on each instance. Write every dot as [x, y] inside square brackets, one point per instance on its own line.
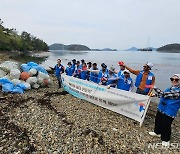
[48, 120]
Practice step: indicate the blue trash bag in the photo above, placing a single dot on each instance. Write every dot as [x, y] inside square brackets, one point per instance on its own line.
[41, 69]
[19, 88]
[25, 68]
[7, 87]
[4, 80]
[32, 64]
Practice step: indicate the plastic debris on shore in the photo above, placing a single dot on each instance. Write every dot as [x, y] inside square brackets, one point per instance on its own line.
[16, 79]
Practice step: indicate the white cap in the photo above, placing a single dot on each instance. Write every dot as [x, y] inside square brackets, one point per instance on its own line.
[178, 75]
[126, 71]
[149, 64]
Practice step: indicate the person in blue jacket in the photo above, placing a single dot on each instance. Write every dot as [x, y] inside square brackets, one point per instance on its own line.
[74, 64]
[69, 69]
[89, 66]
[103, 74]
[111, 76]
[125, 82]
[83, 74]
[167, 110]
[59, 69]
[94, 75]
[77, 71]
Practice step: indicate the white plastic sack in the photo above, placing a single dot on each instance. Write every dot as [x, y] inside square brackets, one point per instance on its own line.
[31, 80]
[35, 86]
[2, 73]
[32, 71]
[7, 77]
[15, 74]
[43, 75]
[27, 85]
[16, 81]
[44, 83]
[7, 66]
[40, 81]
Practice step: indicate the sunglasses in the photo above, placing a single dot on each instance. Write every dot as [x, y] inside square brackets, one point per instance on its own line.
[173, 79]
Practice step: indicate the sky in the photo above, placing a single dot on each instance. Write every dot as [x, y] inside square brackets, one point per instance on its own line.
[98, 24]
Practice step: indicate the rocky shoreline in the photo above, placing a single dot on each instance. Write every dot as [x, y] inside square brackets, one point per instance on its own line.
[49, 120]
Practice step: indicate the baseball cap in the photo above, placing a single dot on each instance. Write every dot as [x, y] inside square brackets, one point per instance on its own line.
[121, 63]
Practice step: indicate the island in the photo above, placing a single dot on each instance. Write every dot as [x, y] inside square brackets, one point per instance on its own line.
[170, 48]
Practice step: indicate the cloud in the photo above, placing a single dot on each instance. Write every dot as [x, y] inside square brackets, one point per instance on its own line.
[97, 23]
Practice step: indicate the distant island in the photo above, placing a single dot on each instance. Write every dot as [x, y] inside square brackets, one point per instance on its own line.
[170, 48]
[71, 47]
[132, 49]
[75, 47]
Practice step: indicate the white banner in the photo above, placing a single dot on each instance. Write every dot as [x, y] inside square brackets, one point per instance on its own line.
[127, 103]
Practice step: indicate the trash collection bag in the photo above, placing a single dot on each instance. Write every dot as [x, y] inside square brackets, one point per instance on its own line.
[16, 81]
[7, 66]
[43, 75]
[15, 74]
[2, 73]
[32, 72]
[19, 88]
[4, 80]
[7, 87]
[25, 68]
[40, 69]
[31, 80]
[27, 85]
[7, 77]
[35, 86]
[31, 64]
[24, 76]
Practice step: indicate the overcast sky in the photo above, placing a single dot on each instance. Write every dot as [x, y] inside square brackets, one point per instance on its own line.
[118, 24]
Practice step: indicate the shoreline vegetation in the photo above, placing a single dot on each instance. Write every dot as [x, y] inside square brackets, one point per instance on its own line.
[10, 40]
[49, 120]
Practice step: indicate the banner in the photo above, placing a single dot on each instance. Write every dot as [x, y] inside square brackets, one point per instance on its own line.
[127, 103]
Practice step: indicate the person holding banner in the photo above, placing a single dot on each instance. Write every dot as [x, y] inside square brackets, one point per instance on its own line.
[111, 75]
[69, 69]
[125, 82]
[167, 110]
[103, 74]
[144, 77]
[93, 75]
[77, 71]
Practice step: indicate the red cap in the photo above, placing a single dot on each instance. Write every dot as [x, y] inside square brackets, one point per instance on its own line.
[121, 63]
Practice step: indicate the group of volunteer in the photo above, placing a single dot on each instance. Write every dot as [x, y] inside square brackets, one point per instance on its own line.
[145, 82]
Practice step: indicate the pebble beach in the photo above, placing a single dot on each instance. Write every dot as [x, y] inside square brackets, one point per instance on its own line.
[49, 120]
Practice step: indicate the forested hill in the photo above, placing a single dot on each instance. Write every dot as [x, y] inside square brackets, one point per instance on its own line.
[11, 41]
[72, 47]
[170, 48]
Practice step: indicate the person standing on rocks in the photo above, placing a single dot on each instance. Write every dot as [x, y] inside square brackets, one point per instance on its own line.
[59, 69]
[167, 110]
[144, 77]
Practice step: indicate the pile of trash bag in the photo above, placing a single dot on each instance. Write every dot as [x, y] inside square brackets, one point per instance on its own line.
[15, 78]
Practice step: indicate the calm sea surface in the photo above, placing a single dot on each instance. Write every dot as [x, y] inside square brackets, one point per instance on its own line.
[165, 64]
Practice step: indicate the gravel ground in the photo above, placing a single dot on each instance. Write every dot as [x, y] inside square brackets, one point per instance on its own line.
[49, 120]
